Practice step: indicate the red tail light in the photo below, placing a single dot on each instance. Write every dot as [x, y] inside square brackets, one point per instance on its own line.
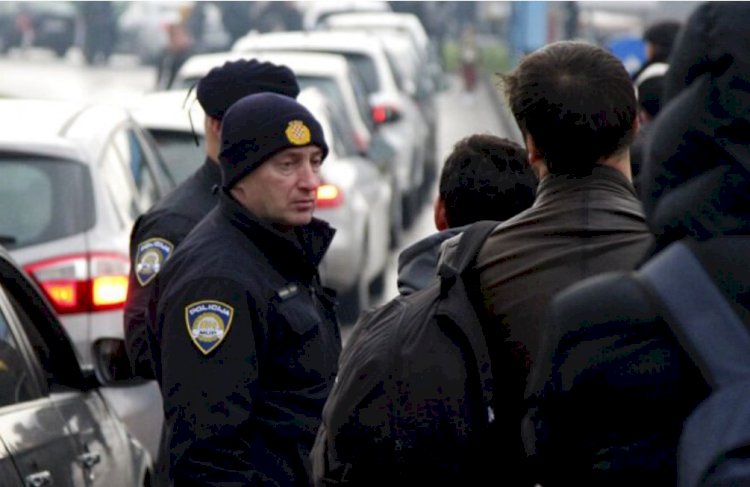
[83, 283]
[329, 196]
[385, 113]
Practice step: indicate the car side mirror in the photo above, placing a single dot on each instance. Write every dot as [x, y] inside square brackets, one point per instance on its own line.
[111, 363]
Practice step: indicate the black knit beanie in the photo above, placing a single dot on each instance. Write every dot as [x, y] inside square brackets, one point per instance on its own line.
[226, 84]
[257, 127]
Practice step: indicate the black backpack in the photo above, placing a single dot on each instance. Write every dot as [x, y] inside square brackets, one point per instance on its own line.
[413, 401]
[714, 448]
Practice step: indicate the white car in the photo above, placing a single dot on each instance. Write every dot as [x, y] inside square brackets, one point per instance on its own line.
[398, 117]
[411, 52]
[315, 12]
[175, 122]
[401, 22]
[354, 199]
[338, 80]
[74, 176]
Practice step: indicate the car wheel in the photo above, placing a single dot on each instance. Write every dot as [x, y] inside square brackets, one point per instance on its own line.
[60, 51]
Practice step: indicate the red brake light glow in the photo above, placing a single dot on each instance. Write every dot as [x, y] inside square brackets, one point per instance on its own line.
[83, 283]
[329, 196]
[379, 114]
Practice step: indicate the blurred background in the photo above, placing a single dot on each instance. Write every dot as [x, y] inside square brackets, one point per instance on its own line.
[142, 32]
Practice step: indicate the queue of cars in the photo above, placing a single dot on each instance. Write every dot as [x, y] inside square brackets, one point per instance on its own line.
[74, 176]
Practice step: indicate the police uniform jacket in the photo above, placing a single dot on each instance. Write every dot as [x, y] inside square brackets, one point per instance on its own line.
[155, 235]
[613, 388]
[250, 348]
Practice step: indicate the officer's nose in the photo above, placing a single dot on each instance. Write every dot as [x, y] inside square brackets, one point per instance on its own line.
[309, 178]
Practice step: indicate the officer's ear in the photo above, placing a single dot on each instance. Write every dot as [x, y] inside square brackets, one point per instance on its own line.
[213, 126]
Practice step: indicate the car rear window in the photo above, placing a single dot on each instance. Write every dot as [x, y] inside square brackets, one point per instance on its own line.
[326, 85]
[43, 199]
[180, 153]
[365, 66]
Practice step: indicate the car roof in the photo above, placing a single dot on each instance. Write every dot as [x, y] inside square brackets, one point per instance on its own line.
[169, 110]
[309, 63]
[344, 41]
[55, 127]
[379, 19]
[313, 11]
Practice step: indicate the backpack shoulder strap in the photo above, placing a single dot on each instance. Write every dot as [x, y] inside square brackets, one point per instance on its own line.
[458, 303]
[460, 252]
[704, 322]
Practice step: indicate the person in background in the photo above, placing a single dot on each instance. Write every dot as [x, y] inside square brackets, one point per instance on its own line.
[484, 178]
[575, 105]
[248, 335]
[613, 388]
[658, 39]
[469, 59]
[649, 83]
[160, 230]
[180, 46]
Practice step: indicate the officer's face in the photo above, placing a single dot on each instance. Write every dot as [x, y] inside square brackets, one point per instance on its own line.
[283, 189]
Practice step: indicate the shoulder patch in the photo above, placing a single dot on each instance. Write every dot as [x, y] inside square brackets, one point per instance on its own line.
[151, 255]
[208, 323]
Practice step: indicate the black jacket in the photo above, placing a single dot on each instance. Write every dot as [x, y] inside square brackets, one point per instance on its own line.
[612, 386]
[153, 239]
[249, 350]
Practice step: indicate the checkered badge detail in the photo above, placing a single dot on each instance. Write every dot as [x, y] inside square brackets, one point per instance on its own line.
[208, 324]
[297, 133]
[151, 255]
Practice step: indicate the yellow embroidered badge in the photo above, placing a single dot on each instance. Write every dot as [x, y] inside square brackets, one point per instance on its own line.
[149, 258]
[208, 323]
[297, 133]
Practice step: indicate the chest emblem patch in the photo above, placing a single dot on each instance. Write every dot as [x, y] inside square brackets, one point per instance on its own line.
[208, 323]
[297, 133]
[151, 255]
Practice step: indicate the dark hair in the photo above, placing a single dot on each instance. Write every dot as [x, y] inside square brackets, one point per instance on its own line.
[577, 102]
[485, 178]
[662, 36]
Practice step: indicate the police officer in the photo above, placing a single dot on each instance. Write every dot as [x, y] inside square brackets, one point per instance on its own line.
[249, 337]
[157, 232]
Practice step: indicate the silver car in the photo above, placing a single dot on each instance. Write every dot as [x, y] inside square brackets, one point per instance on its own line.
[73, 178]
[354, 197]
[56, 429]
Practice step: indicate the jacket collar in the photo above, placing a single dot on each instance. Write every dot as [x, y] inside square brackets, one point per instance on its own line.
[555, 186]
[210, 172]
[306, 243]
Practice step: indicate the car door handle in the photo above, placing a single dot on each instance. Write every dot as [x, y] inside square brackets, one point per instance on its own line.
[39, 479]
[89, 459]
